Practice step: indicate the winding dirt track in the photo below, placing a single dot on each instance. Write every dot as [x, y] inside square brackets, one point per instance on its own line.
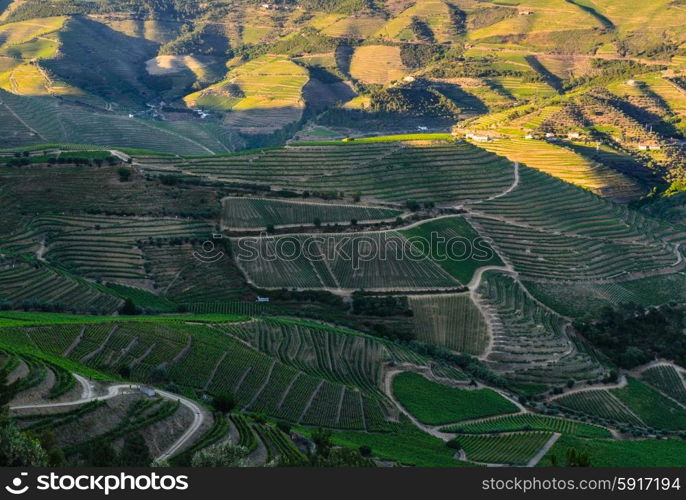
[88, 395]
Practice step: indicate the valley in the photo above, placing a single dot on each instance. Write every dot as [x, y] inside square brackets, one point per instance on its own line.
[431, 233]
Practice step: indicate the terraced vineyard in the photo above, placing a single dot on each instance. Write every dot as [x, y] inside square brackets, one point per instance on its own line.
[297, 371]
[510, 449]
[53, 123]
[370, 260]
[529, 422]
[450, 404]
[452, 321]
[668, 380]
[260, 213]
[576, 299]
[651, 407]
[530, 342]
[41, 283]
[636, 404]
[600, 403]
[451, 233]
[378, 64]
[554, 256]
[263, 95]
[566, 165]
[391, 171]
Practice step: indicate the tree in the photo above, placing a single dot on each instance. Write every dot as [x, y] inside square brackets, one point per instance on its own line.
[224, 402]
[322, 439]
[454, 444]
[225, 454]
[412, 205]
[49, 443]
[103, 455]
[135, 452]
[17, 449]
[129, 308]
[342, 457]
[124, 174]
[317, 222]
[577, 458]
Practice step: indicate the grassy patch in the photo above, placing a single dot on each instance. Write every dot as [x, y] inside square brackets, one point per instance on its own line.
[436, 404]
[458, 261]
[142, 298]
[407, 446]
[624, 453]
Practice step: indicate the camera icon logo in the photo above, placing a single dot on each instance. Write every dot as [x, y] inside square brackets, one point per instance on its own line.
[209, 253]
[16, 487]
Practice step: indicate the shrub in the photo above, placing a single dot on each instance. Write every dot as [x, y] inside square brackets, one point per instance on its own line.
[224, 402]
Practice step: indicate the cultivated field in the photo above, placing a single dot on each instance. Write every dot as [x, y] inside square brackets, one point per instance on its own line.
[379, 64]
[452, 321]
[369, 260]
[264, 94]
[433, 403]
[391, 171]
[564, 164]
[260, 213]
[529, 422]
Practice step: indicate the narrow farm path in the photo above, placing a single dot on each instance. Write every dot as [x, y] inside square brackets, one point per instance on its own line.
[21, 120]
[541, 453]
[622, 382]
[514, 185]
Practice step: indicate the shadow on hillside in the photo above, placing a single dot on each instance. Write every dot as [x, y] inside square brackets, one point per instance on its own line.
[344, 56]
[468, 102]
[107, 63]
[622, 163]
[551, 79]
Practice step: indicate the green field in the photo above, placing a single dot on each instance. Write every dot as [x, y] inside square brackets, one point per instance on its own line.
[510, 449]
[531, 422]
[406, 445]
[627, 453]
[652, 407]
[460, 260]
[260, 213]
[436, 404]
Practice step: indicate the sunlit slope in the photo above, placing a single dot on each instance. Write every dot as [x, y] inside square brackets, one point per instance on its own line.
[567, 165]
[24, 46]
[262, 95]
[379, 64]
[435, 18]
